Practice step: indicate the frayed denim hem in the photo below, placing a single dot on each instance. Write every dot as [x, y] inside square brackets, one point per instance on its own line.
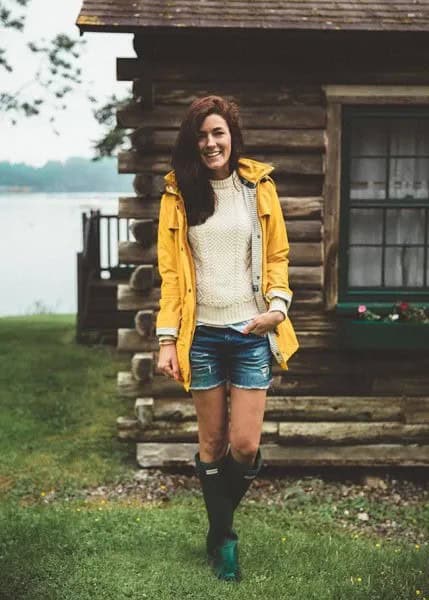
[211, 387]
[253, 387]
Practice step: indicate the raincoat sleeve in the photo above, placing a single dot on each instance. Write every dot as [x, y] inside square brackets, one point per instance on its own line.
[277, 253]
[169, 316]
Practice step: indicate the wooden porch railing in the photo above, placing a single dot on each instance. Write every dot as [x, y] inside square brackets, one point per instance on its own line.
[98, 268]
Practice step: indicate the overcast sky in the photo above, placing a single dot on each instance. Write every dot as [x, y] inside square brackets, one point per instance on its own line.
[32, 140]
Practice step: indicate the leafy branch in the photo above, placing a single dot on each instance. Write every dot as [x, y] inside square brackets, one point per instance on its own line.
[114, 136]
[57, 75]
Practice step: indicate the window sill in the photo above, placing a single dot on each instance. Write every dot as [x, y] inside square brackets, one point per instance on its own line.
[373, 335]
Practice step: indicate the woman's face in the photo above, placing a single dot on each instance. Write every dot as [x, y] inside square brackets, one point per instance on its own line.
[214, 143]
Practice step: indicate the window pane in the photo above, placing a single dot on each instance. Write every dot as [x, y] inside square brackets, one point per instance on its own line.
[404, 267]
[405, 226]
[369, 136]
[409, 178]
[368, 178]
[366, 226]
[365, 266]
[409, 137]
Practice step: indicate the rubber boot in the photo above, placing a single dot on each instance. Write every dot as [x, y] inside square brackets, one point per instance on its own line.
[225, 560]
[240, 475]
[217, 501]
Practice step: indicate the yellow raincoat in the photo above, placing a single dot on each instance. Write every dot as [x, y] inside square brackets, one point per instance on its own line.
[270, 248]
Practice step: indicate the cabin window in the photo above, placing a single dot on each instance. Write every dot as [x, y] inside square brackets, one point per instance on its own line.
[384, 221]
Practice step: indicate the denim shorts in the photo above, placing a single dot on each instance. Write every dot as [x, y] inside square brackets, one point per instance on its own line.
[221, 353]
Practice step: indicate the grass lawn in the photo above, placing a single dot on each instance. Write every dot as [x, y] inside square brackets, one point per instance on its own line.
[58, 438]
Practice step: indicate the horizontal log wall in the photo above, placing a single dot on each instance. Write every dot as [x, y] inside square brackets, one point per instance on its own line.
[312, 378]
[330, 407]
[179, 454]
[312, 430]
[295, 433]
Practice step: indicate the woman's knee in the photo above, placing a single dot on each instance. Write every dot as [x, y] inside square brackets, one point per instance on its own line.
[213, 448]
[244, 448]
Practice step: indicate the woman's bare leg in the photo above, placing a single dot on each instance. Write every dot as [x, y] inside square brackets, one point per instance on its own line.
[247, 416]
[212, 413]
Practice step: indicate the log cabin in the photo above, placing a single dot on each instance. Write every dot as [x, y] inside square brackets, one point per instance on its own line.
[336, 97]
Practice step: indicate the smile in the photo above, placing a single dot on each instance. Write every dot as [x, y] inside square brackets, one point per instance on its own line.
[212, 154]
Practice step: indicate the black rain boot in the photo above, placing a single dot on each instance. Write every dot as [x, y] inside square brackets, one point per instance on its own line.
[216, 499]
[240, 476]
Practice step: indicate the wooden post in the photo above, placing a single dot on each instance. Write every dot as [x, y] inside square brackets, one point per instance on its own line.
[143, 409]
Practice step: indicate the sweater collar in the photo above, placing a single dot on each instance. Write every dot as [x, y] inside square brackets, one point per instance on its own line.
[223, 184]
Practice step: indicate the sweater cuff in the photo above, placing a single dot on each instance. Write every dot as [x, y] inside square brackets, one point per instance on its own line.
[277, 303]
[166, 338]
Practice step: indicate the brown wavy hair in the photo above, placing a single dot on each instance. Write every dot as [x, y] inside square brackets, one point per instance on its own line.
[192, 175]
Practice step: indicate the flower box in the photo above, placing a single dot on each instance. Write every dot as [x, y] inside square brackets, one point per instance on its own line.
[376, 335]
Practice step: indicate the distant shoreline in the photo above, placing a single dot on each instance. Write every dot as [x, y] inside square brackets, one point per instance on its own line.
[76, 174]
[15, 189]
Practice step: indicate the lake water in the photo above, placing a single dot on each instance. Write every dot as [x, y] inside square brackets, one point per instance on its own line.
[39, 238]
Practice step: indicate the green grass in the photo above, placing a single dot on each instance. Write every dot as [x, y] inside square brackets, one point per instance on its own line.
[77, 553]
[57, 431]
[58, 407]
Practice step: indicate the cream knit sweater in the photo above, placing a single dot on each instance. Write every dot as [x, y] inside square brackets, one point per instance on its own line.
[222, 257]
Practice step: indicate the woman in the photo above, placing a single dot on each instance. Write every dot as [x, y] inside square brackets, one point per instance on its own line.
[223, 258]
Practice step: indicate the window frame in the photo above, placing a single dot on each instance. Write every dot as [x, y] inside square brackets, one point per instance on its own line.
[337, 97]
[346, 294]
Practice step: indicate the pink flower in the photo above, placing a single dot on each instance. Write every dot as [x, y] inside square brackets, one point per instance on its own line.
[403, 306]
[361, 309]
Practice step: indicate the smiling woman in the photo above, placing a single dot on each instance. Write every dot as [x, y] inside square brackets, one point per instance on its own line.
[223, 257]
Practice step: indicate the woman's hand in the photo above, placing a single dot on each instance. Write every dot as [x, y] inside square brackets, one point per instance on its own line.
[168, 363]
[264, 322]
